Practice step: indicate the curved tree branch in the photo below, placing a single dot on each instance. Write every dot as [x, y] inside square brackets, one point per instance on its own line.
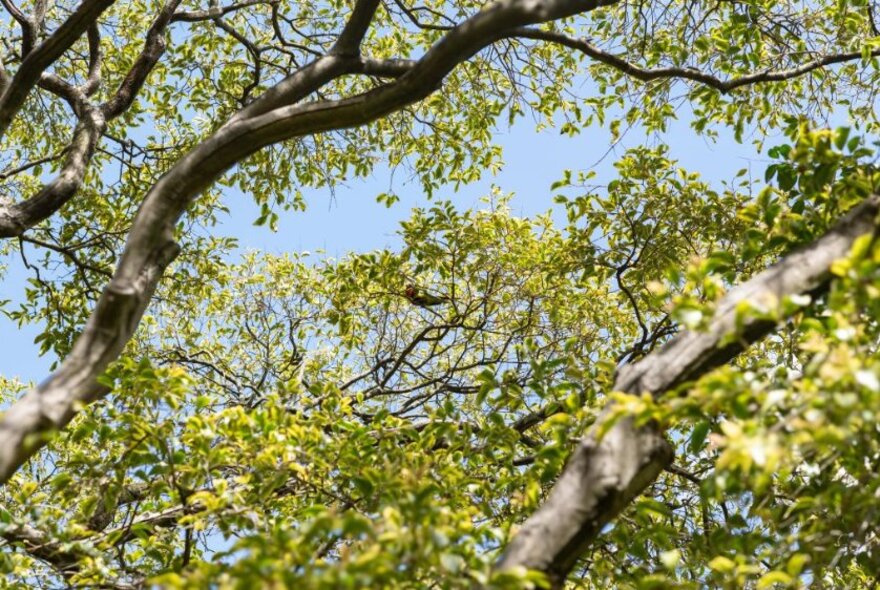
[28, 26]
[93, 79]
[38, 545]
[648, 74]
[194, 16]
[602, 476]
[606, 472]
[154, 47]
[18, 217]
[151, 246]
[44, 55]
[66, 557]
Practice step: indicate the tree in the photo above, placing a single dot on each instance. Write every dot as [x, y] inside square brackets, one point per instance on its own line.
[288, 422]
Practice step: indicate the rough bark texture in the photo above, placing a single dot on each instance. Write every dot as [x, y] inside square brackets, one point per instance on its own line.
[44, 55]
[274, 117]
[15, 218]
[604, 474]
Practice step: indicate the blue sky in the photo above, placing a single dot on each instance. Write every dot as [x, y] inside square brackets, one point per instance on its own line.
[351, 220]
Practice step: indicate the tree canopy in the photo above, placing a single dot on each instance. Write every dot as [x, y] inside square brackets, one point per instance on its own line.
[662, 382]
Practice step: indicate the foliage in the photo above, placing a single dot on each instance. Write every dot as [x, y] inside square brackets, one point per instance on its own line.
[294, 420]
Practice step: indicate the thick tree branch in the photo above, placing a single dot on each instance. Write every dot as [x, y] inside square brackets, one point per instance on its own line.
[4, 78]
[151, 244]
[349, 41]
[605, 473]
[18, 217]
[51, 405]
[62, 557]
[385, 68]
[93, 79]
[686, 73]
[65, 90]
[65, 556]
[37, 544]
[154, 47]
[44, 55]
[28, 26]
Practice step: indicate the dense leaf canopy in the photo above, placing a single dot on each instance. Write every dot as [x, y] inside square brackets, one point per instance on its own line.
[397, 418]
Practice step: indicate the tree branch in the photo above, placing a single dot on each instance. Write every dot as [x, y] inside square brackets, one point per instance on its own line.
[54, 84]
[36, 544]
[605, 473]
[646, 74]
[349, 42]
[194, 16]
[51, 405]
[93, 79]
[151, 246]
[154, 47]
[18, 217]
[44, 55]
[28, 26]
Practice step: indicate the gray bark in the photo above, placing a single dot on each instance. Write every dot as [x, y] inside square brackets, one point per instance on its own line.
[604, 474]
[274, 117]
[16, 218]
[44, 55]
